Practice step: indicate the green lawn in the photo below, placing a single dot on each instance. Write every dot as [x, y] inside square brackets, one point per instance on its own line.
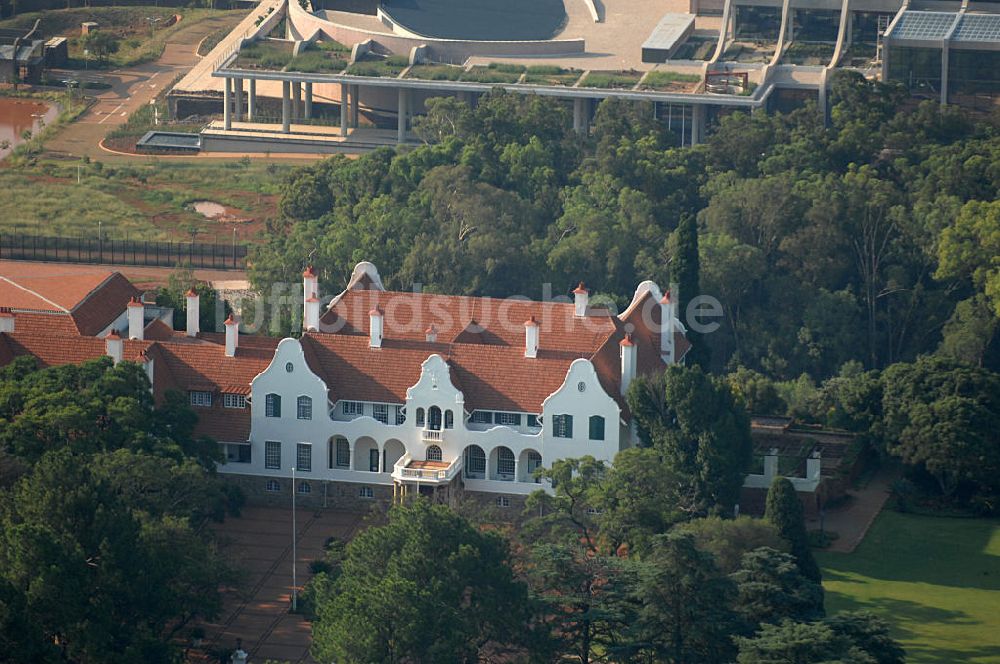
[937, 580]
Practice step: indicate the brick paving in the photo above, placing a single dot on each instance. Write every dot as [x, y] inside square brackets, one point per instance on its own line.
[259, 544]
[852, 521]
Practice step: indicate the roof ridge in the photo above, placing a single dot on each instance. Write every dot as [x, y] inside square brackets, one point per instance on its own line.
[35, 293]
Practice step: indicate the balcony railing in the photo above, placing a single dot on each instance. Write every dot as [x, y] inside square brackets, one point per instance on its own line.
[400, 471]
[431, 435]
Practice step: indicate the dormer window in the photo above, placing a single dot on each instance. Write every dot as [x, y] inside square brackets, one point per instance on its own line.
[230, 400]
[508, 419]
[481, 417]
[380, 412]
[200, 398]
[353, 408]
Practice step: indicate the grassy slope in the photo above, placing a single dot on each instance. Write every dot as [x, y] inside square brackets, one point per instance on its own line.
[935, 579]
[147, 197]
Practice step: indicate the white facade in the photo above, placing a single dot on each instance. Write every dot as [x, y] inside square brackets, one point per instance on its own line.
[432, 438]
[497, 458]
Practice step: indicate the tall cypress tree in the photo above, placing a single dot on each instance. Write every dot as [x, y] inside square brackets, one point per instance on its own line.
[684, 271]
[784, 511]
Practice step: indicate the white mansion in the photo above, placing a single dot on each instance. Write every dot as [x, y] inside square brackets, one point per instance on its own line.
[385, 393]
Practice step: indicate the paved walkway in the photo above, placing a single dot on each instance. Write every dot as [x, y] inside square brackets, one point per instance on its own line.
[259, 544]
[133, 86]
[852, 521]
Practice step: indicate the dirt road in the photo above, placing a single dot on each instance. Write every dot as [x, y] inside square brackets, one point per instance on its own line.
[134, 86]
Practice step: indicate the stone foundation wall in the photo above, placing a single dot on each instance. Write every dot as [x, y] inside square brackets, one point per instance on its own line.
[347, 496]
[322, 494]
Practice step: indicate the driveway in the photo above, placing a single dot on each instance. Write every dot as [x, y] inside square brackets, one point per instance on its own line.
[259, 544]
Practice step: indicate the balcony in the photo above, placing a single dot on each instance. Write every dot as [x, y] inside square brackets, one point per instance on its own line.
[431, 436]
[426, 472]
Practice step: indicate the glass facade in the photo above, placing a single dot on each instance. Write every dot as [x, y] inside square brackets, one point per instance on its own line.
[974, 78]
[919, 69]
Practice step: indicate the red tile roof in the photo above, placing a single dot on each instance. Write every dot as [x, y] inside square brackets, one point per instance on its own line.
[482, 339]
[89, 302]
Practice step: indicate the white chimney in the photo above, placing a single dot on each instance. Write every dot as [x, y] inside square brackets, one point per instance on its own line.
[629, 353]
[310, 317]
[531, 337]
[814, 465]
[771, 463]
[136, 316]
[581, 296]
[667, 309]
[375, 327]
[6, 320]
[114, 347]
[432, 333]
[193, 312]
[310, 288]
[232, 336]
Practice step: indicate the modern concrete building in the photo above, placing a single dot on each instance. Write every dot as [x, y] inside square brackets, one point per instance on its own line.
[336, 80]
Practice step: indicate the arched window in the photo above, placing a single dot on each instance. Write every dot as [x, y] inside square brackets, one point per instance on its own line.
[433, 453]
[272, 486]
[343, 453]
[596, 427]
[272, 405]
[304, 488]
[304, 408]
[475, 462]
[505, 464]
[449, 419]
[420, 417]
[434, 418]
[534, 463]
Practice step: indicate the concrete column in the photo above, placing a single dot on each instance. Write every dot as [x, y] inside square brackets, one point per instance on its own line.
[308, 112]
[355, 104]
[252, 100]
[238, 99]
[849, 37]
[401, 113]
[296, 100]
[286, 120]
[944, 73]
[821, 101]
[227, 105]
[586, 116]
[697, 120]
[344, 109]
[578, 116]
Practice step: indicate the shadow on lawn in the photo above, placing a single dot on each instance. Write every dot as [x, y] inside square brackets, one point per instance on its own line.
[904, 613]
[908, 618]
[934, 550]
[951, 656]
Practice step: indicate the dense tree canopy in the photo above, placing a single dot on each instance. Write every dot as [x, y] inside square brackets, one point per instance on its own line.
[701, 431]
[102, 549]
[784, 512]
[426, 587]
[824, 244]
